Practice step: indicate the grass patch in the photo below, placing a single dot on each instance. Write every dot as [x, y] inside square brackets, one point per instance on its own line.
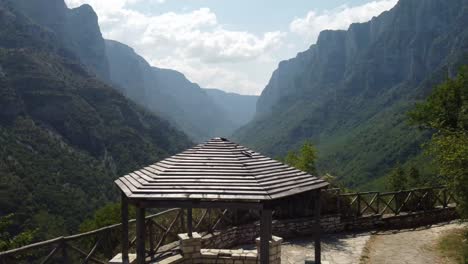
[454, 245]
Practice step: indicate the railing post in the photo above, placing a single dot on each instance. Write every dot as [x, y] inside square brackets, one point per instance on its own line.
[358, 200]
[338, 202]
[182, 218]
[444, 197]
[378, 203]
[151, 239]
[64, 251]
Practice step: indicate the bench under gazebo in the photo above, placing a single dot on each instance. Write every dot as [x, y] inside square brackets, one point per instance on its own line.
[216, 174]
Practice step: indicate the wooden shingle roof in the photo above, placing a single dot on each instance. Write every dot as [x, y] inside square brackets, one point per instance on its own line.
[217, 170]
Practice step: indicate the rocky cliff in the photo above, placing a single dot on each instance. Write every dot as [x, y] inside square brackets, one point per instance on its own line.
[77, 29]
[349, 92]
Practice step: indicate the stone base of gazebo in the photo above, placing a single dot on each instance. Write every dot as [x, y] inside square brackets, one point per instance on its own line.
[118, 259]
[194, 254]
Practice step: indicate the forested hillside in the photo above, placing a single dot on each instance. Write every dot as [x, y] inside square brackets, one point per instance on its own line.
[349, 92]
[64, 134]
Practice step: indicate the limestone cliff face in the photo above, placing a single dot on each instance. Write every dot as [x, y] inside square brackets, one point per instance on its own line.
[399, 45]
[349, 91]
[77, 29]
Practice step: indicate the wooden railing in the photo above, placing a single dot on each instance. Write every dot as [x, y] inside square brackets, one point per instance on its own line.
[98, 246]
[389, 203]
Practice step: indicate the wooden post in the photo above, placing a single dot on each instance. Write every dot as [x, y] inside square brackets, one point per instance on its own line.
[358, 204]
[64, 252]
[124, 219]
[318, 247]
[444, 197]
[378, 203]
[140, 235]
[338, 202]
[265, 236]
[151, 239]
[189, 222]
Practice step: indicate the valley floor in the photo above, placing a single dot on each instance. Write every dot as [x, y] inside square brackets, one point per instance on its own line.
[415, 246]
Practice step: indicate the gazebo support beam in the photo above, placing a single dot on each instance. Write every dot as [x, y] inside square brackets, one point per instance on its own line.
[124, 216]
[189, 221]
[317, 245]
[265, 236]
[140, 233]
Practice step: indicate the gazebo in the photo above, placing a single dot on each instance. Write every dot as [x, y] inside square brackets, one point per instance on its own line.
[216, 174]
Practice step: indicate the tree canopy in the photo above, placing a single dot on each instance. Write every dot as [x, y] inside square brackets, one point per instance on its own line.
[445, 112]
[304, 159]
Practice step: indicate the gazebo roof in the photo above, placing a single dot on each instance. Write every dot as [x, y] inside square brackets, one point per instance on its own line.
[217, 170]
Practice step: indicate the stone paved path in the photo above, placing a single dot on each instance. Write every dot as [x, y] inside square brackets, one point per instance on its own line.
[341, 248]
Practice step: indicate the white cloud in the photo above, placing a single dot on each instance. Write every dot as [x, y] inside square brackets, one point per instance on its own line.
[212, 76]
[339, 18]
[206, 51]
[193, 42]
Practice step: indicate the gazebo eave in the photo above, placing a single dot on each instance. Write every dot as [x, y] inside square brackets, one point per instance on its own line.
[196, 203]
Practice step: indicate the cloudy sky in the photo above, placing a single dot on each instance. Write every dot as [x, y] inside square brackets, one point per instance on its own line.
[233, 45]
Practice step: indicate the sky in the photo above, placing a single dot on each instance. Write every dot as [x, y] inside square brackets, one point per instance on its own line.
[232, 45]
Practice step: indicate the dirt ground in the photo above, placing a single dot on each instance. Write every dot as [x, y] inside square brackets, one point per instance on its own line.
[409, 246]
[415, 246]
[339, 248]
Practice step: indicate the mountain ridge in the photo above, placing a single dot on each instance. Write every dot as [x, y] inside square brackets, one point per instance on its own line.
[239, 107]
[65, 134]
[168, 93]
[354, 85]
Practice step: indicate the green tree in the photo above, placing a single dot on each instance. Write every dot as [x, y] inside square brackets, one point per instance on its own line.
[396, 179]
[414, 178]
[304, 159]
[8, 240]
[104, 216]
[445, 112]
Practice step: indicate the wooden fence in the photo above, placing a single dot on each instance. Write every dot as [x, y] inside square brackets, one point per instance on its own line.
[387, 203]
[98, 246]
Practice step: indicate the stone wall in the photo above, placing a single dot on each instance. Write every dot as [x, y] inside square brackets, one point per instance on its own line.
[193, 253]
[289, 228]
[213, 248]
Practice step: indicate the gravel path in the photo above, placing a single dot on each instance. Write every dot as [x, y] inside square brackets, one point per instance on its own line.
[410, 246]
[339, 249]
[415, 246]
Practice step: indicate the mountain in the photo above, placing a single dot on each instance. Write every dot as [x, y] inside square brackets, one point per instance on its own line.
[76, 29]
[240, 108]
[65, 135]
[168, 93]
[349, 92]
[165, 92]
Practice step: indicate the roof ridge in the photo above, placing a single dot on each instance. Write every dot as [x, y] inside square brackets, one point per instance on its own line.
[244, 166]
